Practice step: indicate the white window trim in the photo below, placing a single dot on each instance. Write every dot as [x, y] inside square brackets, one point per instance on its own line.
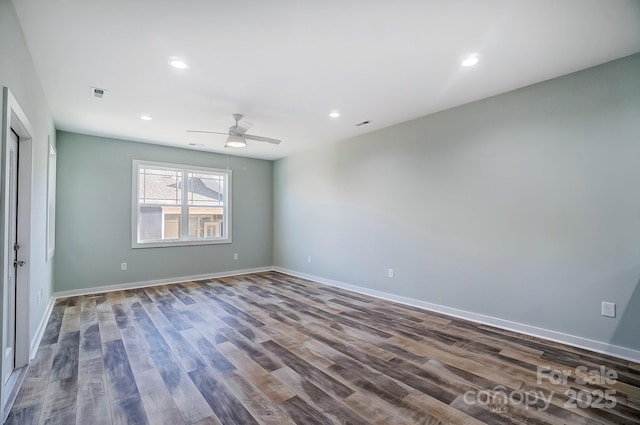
[173, 242]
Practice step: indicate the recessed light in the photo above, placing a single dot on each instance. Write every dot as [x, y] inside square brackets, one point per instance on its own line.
[145, 118]
[178, 63]
[334, 114]
[471, 60]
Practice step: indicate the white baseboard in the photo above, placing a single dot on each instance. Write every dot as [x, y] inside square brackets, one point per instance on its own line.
[143, 284]
[572, 340]
[35, 342]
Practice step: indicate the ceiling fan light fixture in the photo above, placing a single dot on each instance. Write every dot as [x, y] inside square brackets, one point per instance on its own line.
[234, 141]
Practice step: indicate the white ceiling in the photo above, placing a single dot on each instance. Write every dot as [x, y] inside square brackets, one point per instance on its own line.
[286, 64]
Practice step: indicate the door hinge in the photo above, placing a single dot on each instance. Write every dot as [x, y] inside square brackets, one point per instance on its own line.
[18, 263]
[16, 247]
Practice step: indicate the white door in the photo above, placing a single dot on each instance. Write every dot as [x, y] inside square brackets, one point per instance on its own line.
[9, 342]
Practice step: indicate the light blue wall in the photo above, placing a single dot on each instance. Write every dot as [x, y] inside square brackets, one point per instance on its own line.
[94, 215]
[523, 206]
[18, 74]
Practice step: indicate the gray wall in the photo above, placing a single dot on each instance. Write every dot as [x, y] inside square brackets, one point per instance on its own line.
[523, 207]
[18, 73]
[94, 215]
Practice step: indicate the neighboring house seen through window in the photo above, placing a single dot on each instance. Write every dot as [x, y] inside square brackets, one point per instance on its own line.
[180, 205]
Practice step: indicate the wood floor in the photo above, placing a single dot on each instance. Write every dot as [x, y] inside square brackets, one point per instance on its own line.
[272, 349]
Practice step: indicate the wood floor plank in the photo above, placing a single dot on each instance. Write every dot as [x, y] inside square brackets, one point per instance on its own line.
[65, 360]
[459, 362]
[108, 326]
[52, 330]
[442, 411]
[331, 408]
[255, 351]
[307, 370]
[388, 393]
[210, 420]
[275, 324]
[233, 311]
[275, 390]
[208, 352]
[264, 410]
[367, 408]
[139, 358]
[410, 374]
[191, 403]
[129, 411]
[115, 297]
[93, 400]
[156, 399]
[376, 384]
[29, 415]
[301, 413]
[186, 354]
[174, 317]
[34, 386]
[122, 315]
[225, 405]
[142, 296]
[59, 406]
[329, 333]
[90, 340]
[182, 295]
[119, 377]
[71, 320]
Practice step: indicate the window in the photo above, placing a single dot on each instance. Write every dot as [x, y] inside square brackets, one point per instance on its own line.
[180, 205]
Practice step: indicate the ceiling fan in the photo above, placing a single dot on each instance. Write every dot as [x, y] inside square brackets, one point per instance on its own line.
[237, 134]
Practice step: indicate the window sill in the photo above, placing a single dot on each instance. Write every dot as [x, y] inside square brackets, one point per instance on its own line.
[169, 244]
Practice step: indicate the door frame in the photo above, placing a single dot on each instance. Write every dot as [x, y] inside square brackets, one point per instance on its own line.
[13, 117]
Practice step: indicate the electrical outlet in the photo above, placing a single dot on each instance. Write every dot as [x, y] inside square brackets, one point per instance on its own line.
[308, 259]
[608, 309]
[390, 273]
[235, 256]
[123, 266]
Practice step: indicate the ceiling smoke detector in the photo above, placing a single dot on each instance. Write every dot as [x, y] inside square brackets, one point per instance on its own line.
[97, 92]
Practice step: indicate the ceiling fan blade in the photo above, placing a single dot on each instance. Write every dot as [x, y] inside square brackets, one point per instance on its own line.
[210, 132]
[262, 139]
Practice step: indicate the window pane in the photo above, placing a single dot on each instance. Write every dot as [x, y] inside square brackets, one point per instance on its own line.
[205, 189]
[171, 225]
[159, 187]
[206, 222]
[159, 199]
[159, 223]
